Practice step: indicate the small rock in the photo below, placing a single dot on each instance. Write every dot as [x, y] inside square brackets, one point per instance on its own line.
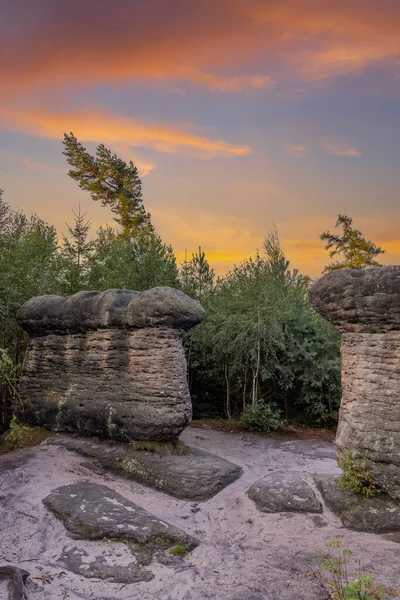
[284, 492]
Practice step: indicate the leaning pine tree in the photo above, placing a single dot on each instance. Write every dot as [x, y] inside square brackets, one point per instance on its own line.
[133, 256]
[110, 180]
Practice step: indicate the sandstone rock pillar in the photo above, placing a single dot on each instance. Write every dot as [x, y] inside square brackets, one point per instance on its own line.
[365, 307]
[109, 364]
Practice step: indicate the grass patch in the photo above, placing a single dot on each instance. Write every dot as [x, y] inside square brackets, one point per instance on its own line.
[177, 448]
[23, 436]
[178, 550]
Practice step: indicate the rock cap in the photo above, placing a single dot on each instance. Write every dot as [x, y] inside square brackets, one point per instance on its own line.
[359, 300]
[157, 307]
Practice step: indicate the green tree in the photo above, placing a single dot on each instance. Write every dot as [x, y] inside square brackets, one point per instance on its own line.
[153, 262]
[262, 343]
[197, 278]
[353, 250]
[76, 251]
[111, 181]
[29, 261]
[138, 264]
[30, 266]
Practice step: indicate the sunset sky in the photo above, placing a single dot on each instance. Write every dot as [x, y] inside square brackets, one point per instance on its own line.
[238, 113]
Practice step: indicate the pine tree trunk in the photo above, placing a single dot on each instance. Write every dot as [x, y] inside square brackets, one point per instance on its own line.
[228, 394]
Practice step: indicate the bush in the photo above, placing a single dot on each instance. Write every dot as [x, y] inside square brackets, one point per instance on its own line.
[261, 417]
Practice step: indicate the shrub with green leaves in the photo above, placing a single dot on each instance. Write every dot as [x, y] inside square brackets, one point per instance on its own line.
[261, 417]
[346, 580]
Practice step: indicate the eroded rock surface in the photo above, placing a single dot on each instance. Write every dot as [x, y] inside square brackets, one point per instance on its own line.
[109, 364]
[378, 514]
[284, 492]
[365, 307]
[105, 565]
[198, 475]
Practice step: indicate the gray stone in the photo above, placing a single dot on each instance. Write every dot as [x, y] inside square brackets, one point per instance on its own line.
[12, 582]
[284, 492]
[82, 563]
[94, 512]
[377, 515]
[109, 364]
[196, 476]
[365, 307]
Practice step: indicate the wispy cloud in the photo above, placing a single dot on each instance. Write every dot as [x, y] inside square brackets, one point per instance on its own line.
[239, 83]
[338, 148]
[295, 150]
[98, 126]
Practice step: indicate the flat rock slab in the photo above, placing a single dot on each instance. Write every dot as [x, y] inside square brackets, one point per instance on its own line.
[94, 512]
[284, 492]
[196, 476]
[376, 515]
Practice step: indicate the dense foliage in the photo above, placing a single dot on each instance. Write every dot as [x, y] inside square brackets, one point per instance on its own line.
[262, 342]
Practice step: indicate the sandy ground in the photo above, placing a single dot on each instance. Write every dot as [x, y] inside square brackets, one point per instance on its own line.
[241, 549]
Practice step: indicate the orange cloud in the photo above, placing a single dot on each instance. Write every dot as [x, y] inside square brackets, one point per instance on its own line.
[344, 36]
[202, 42]
[94, 126]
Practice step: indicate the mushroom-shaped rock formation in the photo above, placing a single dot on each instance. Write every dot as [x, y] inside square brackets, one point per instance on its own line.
[109, 363]
[365, 307]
